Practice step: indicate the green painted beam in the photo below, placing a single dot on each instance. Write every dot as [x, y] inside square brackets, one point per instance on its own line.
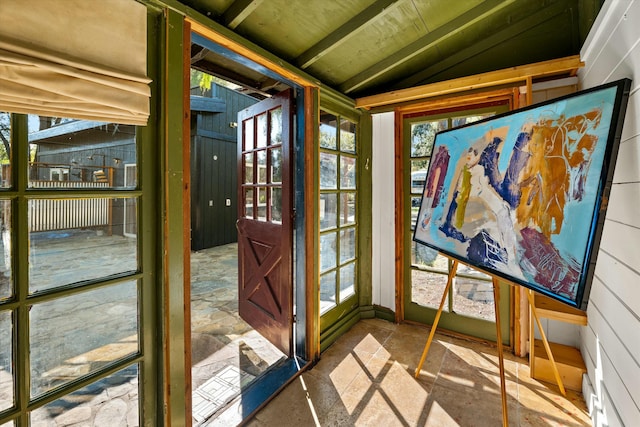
[337, 37]
[239, 11]
[462, 22]
[513, 30]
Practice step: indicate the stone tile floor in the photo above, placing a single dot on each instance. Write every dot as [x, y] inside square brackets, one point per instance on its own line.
[366, 379]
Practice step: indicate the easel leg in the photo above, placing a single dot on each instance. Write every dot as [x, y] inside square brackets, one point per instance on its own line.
[545, 342]
[452, 274]
[503, 385]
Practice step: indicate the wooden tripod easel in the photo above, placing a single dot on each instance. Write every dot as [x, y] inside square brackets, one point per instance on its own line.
[496, 300]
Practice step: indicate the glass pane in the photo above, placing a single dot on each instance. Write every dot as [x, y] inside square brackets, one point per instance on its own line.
[262, 166]
[6, 290]
[422, 136]
[473, 298]
[327, 291]
[347, 136]
[248, 134]
[276, 126]
[347, 209]
[328, 251]
[72, 240]
[347, 281]
[460, 121]
[95, 404]
[262, 203]
[418, 175]
[75, 335]
[6, 361]
[347, 172]
[415, 208]
[328, 210]
[5, 150]
[347, 244]
[248, 203]
[248, 168]
[328, 132]
[427, 288]
[261, 131]
[67, 153]
[328, 171]
[425, 256]
[276, 204]
[276, 165]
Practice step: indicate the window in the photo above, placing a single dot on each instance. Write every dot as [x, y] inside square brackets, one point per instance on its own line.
[338, 220]
[71, 277]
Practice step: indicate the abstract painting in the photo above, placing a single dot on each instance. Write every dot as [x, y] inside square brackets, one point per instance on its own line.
[523, 195]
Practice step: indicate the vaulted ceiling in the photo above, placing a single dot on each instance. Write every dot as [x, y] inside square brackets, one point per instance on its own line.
[366, 47]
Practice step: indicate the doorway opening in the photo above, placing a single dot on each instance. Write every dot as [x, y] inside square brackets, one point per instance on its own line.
[231, 360]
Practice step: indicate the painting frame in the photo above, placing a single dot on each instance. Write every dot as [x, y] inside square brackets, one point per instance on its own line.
[523, 195]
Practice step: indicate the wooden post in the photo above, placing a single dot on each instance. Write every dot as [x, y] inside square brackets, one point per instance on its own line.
[534, 313]
[503, 385]
[452, 273]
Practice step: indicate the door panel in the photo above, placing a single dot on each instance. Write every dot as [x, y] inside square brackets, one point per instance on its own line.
[265, 288]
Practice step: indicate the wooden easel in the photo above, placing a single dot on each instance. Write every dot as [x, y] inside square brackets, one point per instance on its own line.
[496, 300]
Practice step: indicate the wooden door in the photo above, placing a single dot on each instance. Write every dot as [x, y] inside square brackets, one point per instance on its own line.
[265, 277]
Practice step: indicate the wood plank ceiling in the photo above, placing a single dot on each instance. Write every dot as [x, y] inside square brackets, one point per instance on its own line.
[366, 47]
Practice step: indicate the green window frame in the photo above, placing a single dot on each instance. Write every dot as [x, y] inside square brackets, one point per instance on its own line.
[338, 216]
[62, 317]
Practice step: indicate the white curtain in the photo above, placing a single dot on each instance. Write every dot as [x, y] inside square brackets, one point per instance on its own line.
[82, 59]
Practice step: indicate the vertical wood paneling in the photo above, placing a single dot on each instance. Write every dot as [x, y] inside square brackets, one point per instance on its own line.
[610, 342]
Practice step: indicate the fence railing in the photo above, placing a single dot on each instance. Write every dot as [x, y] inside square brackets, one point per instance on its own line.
[60, 214]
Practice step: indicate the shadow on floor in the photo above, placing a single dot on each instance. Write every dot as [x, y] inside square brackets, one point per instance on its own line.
[366, 379]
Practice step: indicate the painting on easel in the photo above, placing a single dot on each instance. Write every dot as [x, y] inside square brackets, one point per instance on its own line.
[523, 195]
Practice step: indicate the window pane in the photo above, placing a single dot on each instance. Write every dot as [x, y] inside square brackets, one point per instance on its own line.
[327, 291]
[347, 172]
[262, 166]
[276, 126]
[347, 281]
[248, 203]
[474, 298]
[276, 165]
[6, 290]
[71, 240]
[328, 171]
[95, 404]
[262, 203]
[347, 136]
[5, 150]
[347, 244]
[76, 335]
[328, 251]
[422, 136]
[427, 288]
[425, 256]
[347, 209]
[328, 131]
[328, 210]
[248, 168]
[66, 153]
[261, 131]
[6, 361]
[276, 204]
[247, 129]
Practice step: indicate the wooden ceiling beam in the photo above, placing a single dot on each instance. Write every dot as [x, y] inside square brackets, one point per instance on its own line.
[460, 23]
[239, 11]
[338, 36]
[514, 29]
[511, 75]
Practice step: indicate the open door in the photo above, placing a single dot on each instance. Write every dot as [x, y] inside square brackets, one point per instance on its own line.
[265, 212]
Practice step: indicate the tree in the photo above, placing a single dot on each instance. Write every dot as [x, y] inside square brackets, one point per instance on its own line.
[5, 136]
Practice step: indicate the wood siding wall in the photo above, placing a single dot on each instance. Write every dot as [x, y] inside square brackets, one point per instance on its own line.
[610, 343]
